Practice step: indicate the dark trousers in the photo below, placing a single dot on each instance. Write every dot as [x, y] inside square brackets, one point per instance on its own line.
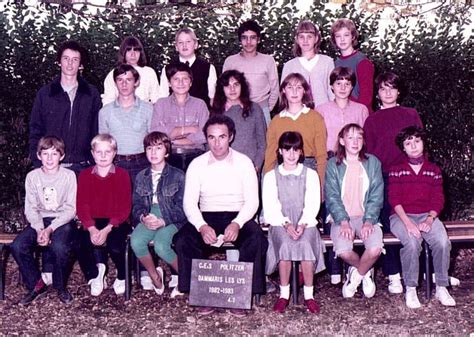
[133, 166]
[391, 260]
[115, 245]
[251, 243]
[182, 160]
[56, 256]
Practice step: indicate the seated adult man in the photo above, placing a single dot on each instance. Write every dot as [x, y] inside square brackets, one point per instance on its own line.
[221, 197]
[181, 117]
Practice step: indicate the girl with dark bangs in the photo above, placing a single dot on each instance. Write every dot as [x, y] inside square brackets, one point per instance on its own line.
[291, 199]
[233, 100]
[131, 52]
[354, 197]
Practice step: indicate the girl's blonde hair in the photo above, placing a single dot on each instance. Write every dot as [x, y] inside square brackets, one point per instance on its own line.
[306, 27]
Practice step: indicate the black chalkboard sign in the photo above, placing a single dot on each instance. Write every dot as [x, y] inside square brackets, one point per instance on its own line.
[221, 284]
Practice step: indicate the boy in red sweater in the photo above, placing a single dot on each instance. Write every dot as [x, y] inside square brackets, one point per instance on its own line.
[415, 192]
[103, 207]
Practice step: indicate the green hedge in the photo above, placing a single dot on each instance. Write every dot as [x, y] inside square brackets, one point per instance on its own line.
[435, 60]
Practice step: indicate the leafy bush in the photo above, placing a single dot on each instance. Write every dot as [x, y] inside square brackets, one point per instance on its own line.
[435, 59]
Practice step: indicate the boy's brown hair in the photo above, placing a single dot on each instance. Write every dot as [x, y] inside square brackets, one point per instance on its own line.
[48, 142]
[155, 138]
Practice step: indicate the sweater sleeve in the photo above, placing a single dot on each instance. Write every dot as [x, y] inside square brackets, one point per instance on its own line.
[312, 200]
[261, 130]
[320, 139]
[436, 197]
[365, 77]
[395, 195]
[84, 199]
[272, 145]
[32, 204]
[110, 89]
[272, 209]
[273, 80]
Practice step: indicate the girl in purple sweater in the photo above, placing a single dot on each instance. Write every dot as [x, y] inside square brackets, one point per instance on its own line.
[415, 192]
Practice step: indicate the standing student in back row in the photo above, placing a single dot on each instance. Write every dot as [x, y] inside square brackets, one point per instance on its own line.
[344, 36]
[259, 69]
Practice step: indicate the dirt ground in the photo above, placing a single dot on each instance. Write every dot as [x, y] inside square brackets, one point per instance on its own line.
[148, 314]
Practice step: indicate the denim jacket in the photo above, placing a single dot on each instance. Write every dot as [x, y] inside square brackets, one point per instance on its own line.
[372, 190]
[170, 191]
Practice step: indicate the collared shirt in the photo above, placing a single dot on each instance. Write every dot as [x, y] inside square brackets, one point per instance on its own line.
[228, 185]
[336, 118]
[167, 115]
[211, 80]
[95, 170]
[286, 113]
[127, 126]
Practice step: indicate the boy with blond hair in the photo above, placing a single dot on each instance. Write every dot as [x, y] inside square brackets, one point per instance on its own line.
[104, 202]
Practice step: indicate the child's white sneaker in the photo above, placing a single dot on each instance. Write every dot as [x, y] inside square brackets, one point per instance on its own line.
[175, 293]
[411, 298]
[173, 282]
[444, 297]
[368, 284]
[353, 281]
[119, 286]
[47, 278]
[395, 284]
[336, 279]
[98, 284]
[146, 282]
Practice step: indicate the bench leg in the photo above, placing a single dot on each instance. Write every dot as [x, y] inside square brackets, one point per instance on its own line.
[294, 281]
[426, 248]
[3, 267]
[128, 280]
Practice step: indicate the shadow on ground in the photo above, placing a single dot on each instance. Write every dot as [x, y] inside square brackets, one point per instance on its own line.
[148, 314]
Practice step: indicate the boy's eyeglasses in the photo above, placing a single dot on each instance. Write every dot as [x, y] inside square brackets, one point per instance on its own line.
[133, 49]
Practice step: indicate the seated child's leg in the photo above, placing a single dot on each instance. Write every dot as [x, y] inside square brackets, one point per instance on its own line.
[163, 240]
[342, 247]
[22, 250]
[140, 238]
[440, 246]
[373, 248]
[116, 244]
[410, 252]
[86, 257]
[61, 249]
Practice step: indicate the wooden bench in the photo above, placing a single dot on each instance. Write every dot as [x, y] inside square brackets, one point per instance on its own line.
[458, 232]
[5, 240]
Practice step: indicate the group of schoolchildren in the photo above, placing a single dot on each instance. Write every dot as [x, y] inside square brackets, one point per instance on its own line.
[325, 155]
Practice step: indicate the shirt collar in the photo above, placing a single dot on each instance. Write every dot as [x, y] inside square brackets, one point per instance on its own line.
[286, 113]
[136, 103]
[295, 172]
[95, 170]
[190, 61]
[229, 159]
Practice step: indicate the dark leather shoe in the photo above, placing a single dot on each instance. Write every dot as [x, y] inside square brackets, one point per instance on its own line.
[312, 306]
[205, 311]
[39, 291]
[238, 312]
[280, 305]
[65, 296]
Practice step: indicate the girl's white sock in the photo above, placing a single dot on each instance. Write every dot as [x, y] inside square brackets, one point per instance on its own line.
[308, 292]
[285, 292]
